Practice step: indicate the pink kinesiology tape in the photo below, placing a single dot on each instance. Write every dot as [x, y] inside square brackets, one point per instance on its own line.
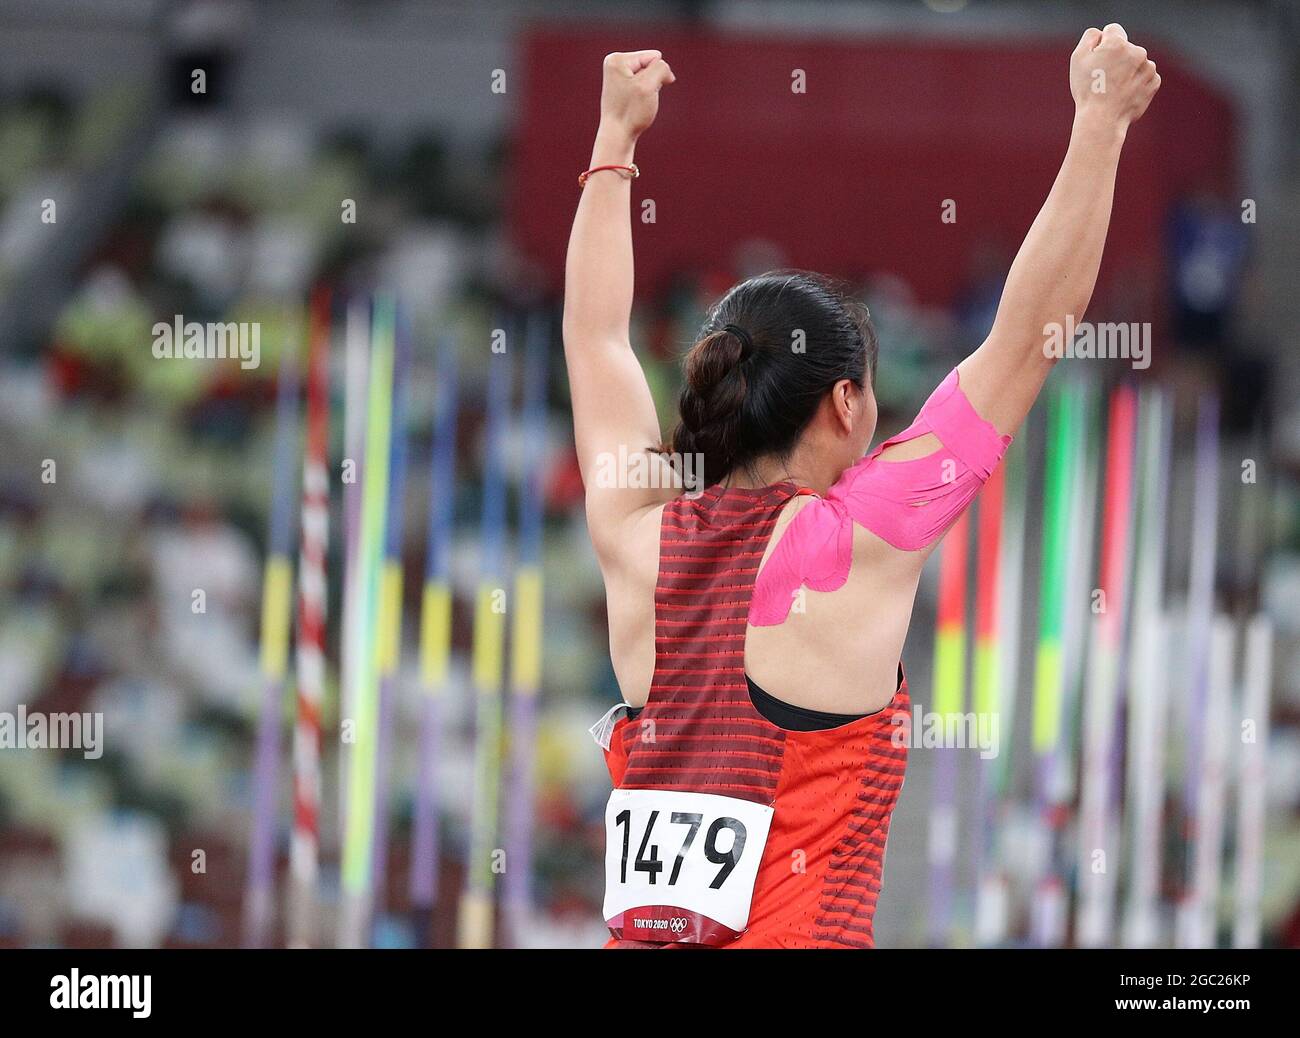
[908, 504]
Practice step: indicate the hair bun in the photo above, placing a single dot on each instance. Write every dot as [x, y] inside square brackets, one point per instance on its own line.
[712, 359]
[746, 343]
[711, 402]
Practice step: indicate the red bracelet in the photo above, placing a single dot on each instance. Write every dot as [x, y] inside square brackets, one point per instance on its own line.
[632, 172]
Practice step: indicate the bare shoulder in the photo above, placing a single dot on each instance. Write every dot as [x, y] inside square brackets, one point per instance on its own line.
[789, 510]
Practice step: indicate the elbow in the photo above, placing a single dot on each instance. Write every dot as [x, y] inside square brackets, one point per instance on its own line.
[571, 326]
[571, 334]
[577, 323]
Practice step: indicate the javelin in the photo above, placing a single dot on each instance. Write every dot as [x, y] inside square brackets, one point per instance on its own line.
[304, 849]
[949, 697]
[277, 611]
[526, 639]
[1099, 856]
[476, 923]
[1197, 907]
[388, 644]
[1148, 708]
[435, 632]
[356, 381]
[356, 874]
[1049, 678]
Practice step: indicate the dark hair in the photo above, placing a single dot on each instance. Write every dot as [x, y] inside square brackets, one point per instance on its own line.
[768, 353]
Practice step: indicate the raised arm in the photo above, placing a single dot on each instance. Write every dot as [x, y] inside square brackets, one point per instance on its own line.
[1056, 268]
[612, 406]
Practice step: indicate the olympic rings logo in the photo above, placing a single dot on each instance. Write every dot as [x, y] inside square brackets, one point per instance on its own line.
[677, 924]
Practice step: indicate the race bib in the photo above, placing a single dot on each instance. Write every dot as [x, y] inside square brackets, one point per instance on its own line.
[681, 867]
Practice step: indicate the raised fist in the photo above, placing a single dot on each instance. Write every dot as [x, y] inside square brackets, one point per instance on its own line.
[629, 96]
[1111, 77]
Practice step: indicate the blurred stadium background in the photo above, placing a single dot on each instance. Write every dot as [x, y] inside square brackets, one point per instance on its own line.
[225, 206]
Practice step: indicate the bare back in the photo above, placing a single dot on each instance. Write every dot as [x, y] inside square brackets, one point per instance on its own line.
[839, 653]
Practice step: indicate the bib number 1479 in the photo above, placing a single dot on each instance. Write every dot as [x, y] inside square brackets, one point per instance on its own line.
[647, 855]
[681, 866]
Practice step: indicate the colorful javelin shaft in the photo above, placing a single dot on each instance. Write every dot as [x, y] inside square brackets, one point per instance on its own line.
[1252, 781]
[1049, 680]
[1099, 855]
[389, 635]
[476, 924]
[949, 702]
[526, 640]
[1010, 605]
[1207, 866]
[435, 632]
[357, 842]
[1200, 625]
[1205, 516]
[993, 915]
[356, 383]
[304, 849]
[987, 564]
[1085, 521]
[1253, 706]
[985, 688]
[1148, 706]
[277, 617]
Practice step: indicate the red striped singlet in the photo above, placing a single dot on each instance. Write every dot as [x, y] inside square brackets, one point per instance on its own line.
[832, 791]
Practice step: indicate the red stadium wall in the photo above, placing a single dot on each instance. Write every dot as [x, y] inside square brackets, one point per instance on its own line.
[849, 177]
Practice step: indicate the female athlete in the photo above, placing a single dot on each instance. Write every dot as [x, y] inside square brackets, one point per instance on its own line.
[756, 620]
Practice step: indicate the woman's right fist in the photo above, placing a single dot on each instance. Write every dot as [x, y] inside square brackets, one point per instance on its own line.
[629, 96]
[1111, 77]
